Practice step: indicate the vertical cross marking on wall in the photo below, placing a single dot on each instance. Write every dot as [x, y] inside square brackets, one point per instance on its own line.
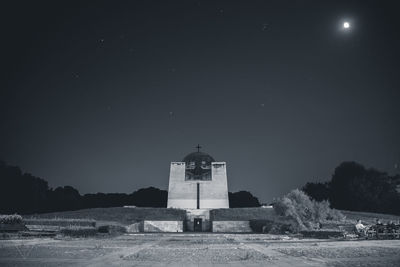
[198, 195]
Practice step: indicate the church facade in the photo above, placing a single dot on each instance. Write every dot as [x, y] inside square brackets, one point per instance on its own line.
[198, 182]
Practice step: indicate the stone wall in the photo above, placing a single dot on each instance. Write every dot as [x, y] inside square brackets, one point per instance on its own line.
[163, 226]
[135, 227]
[231, 226]
[242, 214]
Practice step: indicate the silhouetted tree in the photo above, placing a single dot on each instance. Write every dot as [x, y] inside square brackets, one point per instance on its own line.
[353, 187]
[101, 200]
[242, 199]
[20, 192]
[150, 197]
[317, 191]
[26, 194]
[395, 181]
[65, 198]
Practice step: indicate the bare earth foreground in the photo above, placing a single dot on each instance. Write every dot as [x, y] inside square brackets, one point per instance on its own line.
[198, 250]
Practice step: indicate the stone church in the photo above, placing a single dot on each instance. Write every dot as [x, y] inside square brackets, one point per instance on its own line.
[198, 184]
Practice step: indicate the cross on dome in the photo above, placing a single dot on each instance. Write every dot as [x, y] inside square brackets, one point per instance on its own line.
[198, 147]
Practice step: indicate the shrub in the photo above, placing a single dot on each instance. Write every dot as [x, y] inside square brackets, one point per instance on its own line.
[306, 213]
[257, 225]
[11, 219]
[105, 229]
[275, 226]
[323, 212]
[78, 231]
[117, 229]
[112, 229]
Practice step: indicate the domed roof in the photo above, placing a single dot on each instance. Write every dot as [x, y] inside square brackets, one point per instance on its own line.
[198, 157]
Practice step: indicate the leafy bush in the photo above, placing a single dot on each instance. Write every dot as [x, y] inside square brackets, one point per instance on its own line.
[79, 231]
[117, 229]
[11, 219]
[104, 229]
[323, 212]
[270, 226]
[113, 229]
[257, 225]
[306, 213]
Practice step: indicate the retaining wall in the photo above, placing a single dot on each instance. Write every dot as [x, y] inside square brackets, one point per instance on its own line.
[163, 226]
[231, 226]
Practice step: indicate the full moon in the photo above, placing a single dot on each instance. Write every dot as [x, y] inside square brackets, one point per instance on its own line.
[346, 25]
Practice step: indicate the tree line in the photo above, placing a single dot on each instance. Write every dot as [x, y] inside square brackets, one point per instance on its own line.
[27, 194]
[356, 188]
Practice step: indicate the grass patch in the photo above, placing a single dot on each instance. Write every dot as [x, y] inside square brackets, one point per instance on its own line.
[78, 231]
[322, 234]
[62, 222]
[124, 216]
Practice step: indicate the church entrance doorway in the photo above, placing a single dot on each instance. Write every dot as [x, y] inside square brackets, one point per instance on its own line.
[198, 223]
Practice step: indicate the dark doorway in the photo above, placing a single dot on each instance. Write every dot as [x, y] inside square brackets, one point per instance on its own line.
[198, 224]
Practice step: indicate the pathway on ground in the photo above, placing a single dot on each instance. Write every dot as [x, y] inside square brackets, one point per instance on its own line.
[198, 250]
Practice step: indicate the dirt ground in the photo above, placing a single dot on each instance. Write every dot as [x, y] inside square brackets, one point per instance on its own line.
[198, 250]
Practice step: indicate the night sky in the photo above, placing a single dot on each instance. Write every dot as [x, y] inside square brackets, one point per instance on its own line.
[102, 96]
